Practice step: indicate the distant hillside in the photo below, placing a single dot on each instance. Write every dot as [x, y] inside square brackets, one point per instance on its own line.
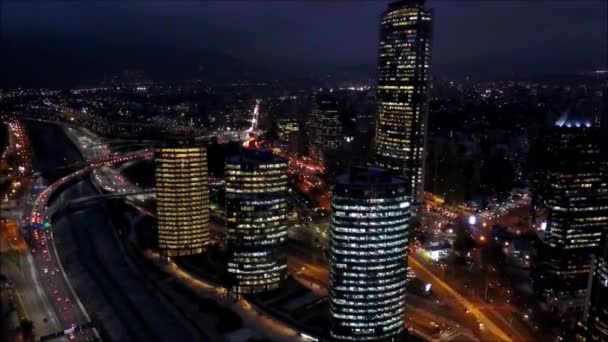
[37, 61]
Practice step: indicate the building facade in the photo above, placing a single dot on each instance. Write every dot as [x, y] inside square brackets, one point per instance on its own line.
[326, 128]
[182, 197]
[574, 193]
[403, 91]
[368, 256]
[256, 220]
[287, 131]
[594, 324]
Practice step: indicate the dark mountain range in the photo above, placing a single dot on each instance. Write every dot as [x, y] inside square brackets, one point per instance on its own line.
[49, 61]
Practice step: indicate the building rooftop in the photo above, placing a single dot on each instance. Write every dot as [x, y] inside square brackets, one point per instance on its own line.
[569, 120]
[406, 2]
[369, 177]
[255, 157]
[403, 3]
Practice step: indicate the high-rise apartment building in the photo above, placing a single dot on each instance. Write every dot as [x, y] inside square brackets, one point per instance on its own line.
[326, 127]
[288, 129]
[403, 91]
[368, 256]
[574, 193]
[182, 197]
[256, 219]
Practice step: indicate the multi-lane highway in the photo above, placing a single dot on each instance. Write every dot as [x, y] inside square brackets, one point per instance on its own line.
[51, 278]
[48, 272]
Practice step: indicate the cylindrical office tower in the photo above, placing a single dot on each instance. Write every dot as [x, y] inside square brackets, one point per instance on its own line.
[182, 197]
[404, 56]
[256, 217]
[368, 270]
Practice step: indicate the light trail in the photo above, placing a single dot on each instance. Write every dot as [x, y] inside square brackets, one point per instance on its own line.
[43, 197]
[256, 116]
[490, 325]
[67, 312]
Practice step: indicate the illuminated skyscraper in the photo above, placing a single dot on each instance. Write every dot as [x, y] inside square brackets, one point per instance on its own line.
[326, 127]
[182, 197]
[288, 129]
[403, 87]
[368, 257]
[256, 218]
[574, 193]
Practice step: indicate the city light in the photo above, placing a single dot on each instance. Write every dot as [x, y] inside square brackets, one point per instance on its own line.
[274, 190]
[472, 220]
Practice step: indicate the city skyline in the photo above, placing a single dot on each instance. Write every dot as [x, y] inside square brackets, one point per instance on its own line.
[223, 171]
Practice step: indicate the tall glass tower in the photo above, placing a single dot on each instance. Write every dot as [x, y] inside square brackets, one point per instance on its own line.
[182, 197]
[256, 220]
[403, 91]
[368, 257]
[574, 193]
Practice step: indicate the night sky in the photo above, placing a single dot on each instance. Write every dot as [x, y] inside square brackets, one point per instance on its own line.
[78, 40]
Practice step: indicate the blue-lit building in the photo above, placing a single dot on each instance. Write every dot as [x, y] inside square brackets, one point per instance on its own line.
[368, 255]
[574, 193]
